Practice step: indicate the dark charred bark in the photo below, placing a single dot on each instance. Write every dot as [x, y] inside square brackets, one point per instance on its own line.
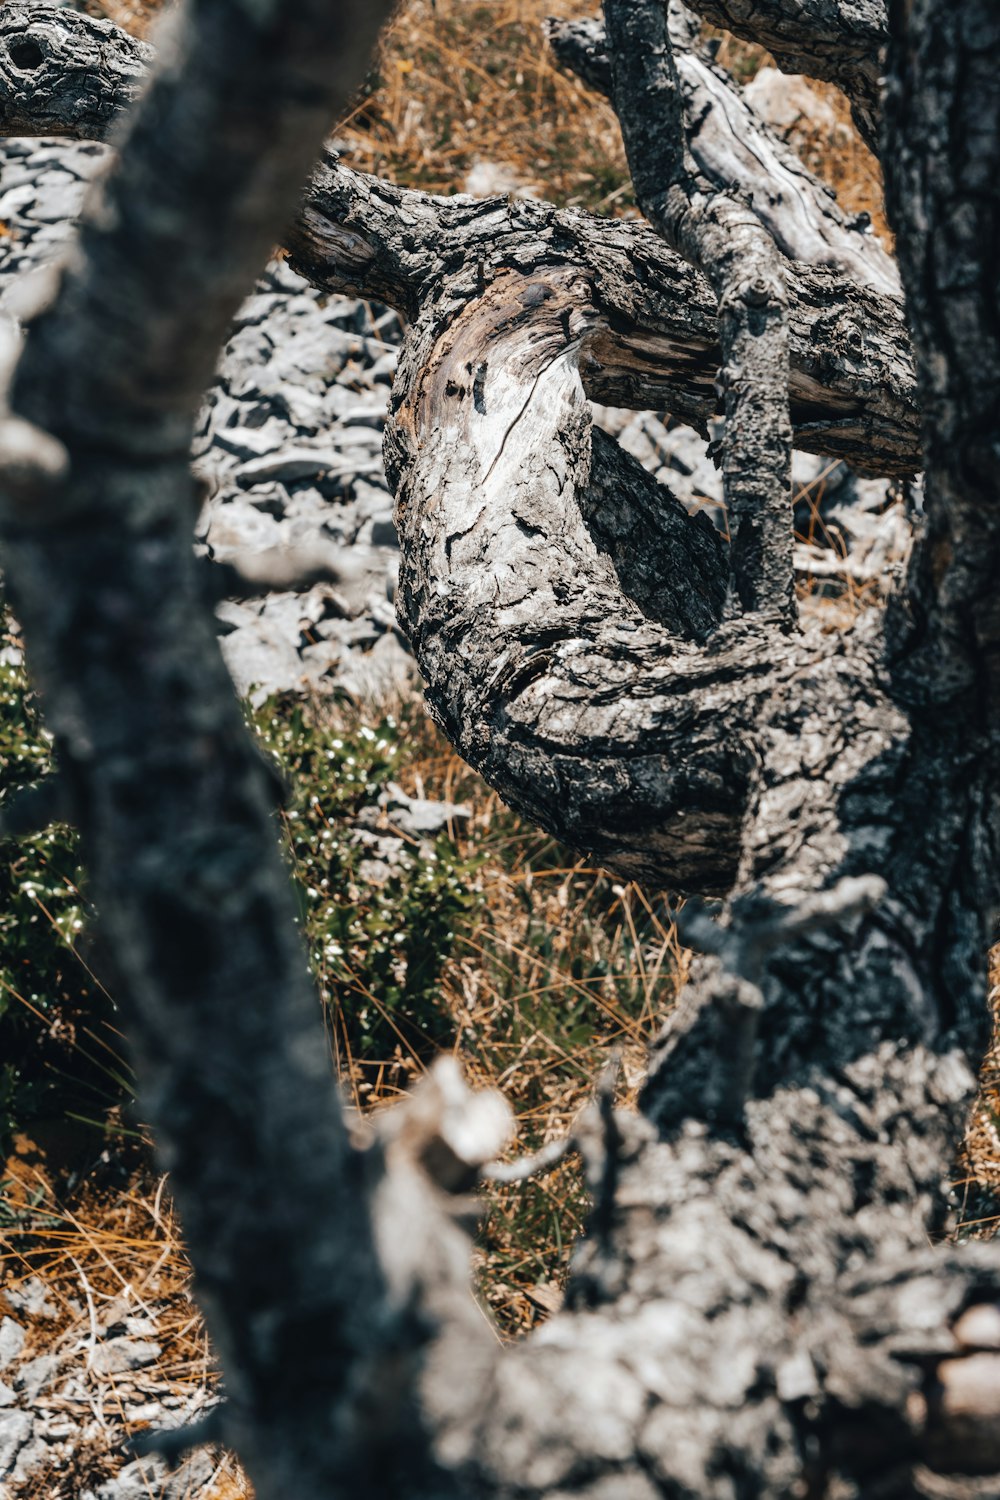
[755, 1311]
[943, 186]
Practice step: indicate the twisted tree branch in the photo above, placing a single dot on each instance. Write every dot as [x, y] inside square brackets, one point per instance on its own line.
[757, 1299]
[840, 41]
[656, 342]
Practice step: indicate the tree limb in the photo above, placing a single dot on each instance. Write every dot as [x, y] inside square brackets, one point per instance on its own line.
[840, 41]
[943, 169]
[734, 150]
[656, 343]
[757, 1296]
[714, 231]
[319, 1331]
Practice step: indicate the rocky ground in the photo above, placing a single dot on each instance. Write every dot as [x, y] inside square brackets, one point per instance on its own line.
[289, 444]
[290, 449]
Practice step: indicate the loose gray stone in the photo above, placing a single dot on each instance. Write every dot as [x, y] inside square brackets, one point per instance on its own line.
[31, 1297]
[12, 1337]
[303, 463]
[58, 205]
[17, 199]
[121, 1354]
[32, 1456]
[253, 442]
[420, 816]
[255, 309]
[15, 1431]
[37, 1373]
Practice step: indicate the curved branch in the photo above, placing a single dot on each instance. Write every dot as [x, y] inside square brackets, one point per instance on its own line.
[655, 342]
[656, 346]
[559, 634]
[839, 41]
[729, 243]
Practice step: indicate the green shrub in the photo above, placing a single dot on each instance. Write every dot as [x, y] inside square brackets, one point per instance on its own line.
[58, 1047]
[380, 930]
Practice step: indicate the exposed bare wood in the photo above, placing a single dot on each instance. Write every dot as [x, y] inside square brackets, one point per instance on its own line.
[841, 41]
[656, 345]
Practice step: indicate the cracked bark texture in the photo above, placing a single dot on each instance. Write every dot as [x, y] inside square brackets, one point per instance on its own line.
[712, 227]
[851, 381]
[736, 152]
[839, 41]
[734, 201]
[754, 1311]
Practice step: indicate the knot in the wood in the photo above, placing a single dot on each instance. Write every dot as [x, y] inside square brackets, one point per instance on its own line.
[758, 293]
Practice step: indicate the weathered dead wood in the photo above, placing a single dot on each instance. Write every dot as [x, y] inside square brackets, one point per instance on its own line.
[63, 72]
[735, 152]
[304, 1278]
[755, 1312]
[715, 229]
[656, 342]
[733, 200]
[840, 41]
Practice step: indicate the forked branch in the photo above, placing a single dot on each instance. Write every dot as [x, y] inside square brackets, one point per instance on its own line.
[655, 344]
[840, 41]
[726, 240]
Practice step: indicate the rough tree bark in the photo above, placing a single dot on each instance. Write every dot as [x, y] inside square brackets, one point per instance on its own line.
[852, 393]
[755, 1310]
[842, 41]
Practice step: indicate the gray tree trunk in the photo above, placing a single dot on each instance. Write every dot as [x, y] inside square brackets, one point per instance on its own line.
[756, 1310]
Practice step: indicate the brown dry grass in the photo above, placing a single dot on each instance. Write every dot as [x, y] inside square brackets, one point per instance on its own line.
[460, 84]
[108, 1250]
[562, 963]
[977, 1188]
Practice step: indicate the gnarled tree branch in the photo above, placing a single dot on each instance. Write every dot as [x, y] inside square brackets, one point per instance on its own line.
[656, 343]
[758, 1295]
[735, 151]
[840, 41]
[714, 231]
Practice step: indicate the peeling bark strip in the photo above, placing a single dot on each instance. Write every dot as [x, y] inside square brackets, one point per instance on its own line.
[851, 382]
[840, 41]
